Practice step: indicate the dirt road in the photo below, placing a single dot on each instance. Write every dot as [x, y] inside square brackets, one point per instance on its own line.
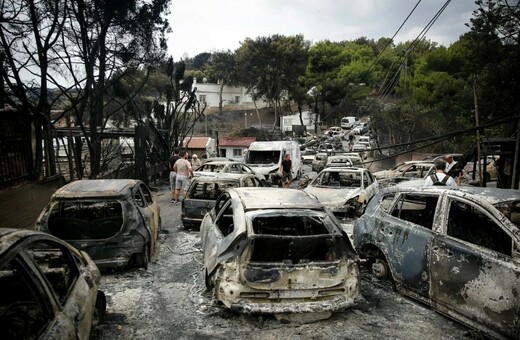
[169, 301]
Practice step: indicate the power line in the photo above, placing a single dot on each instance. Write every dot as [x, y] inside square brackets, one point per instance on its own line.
[414, 44]
[434, 140]
[392, 39]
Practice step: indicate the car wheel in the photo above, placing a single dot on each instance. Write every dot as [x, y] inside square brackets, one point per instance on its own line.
[380, 269]
[100, 309]
[142, 259]
[488, 177]
[207, 281]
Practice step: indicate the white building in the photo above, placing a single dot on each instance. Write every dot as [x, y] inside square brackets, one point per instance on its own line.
[233, 97]
[309, 120]
[234, 147]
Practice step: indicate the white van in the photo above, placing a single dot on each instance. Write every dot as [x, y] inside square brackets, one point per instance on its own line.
[348, 122]
[265, 158]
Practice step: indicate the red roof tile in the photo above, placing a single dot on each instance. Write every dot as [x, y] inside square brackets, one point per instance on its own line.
[195, 142]
[236, 141]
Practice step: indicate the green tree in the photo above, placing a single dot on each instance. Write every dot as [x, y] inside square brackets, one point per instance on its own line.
[222, 67]
[494, 50]
[268, 66]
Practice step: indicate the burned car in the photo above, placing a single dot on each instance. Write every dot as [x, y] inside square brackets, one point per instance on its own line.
[318, 163]
[278, 251]
[338, 161]
[203, 192]
[115, 221]
[345, 191]
[49, 289]
[457, 250]
[226, 166]
[409, 170]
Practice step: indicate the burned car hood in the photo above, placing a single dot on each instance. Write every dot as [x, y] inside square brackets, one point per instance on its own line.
[385, 174]
[331, 195]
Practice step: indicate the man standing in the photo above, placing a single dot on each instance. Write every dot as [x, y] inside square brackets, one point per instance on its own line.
[285, 171]
[173, 174]
[183, 169]
[440, 176]
[453, 168]
[195, 161]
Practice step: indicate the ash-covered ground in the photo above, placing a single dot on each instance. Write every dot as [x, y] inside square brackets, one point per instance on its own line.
[170, 301]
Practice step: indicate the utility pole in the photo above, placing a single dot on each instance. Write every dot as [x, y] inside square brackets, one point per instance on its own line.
[477, 120]
[515, 160]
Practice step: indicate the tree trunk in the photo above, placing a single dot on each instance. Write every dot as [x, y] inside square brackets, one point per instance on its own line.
[257, 113]
[220, 96]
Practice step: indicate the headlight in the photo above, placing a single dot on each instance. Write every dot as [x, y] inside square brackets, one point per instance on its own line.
[353, 202]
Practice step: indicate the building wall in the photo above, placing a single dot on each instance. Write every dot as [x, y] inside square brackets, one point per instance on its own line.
[233, 97]
[288, 121]
[228, 151]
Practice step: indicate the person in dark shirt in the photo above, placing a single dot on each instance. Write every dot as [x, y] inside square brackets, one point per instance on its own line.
[285, 171]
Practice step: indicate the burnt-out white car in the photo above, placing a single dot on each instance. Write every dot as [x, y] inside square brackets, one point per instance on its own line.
[204, 191]
[278, 251]
[49, 289]
[116, 221]
[345, 191]
[457, 250]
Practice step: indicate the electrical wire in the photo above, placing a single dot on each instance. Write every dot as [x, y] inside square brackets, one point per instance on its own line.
[434, 140]
[412, 46]
[392, 39]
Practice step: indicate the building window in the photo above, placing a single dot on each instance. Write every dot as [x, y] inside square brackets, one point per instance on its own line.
[237, 99]
[237, 152]
[202, 98]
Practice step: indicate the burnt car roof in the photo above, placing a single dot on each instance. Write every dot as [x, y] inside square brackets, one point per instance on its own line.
[344, 169]
[221, 177]
[10, 236]
[492, 195]
[275, 198]
[223, 162]
[90, 188]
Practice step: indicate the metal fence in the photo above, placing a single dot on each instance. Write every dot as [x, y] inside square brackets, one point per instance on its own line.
[15, 159]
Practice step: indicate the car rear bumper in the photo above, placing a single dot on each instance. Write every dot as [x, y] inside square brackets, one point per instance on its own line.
[336, 303]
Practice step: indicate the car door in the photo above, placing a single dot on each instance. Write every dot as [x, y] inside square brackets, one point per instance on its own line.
[153, 208]
[407, 235]
[473, 273]
[28, 307]
[216, 231]
[147, 214]
[73, 297]
[370, 184]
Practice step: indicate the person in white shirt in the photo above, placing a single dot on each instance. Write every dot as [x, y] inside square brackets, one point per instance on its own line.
[453, 169]
[440, 166]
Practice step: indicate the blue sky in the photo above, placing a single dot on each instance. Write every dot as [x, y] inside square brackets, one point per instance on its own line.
[216, 25]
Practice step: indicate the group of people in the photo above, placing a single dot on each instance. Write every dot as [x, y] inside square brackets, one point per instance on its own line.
[181, 169]
[447, 172]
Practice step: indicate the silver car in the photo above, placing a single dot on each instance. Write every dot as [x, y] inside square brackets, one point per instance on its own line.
[457, 250]
[344, 190]
[278, 251]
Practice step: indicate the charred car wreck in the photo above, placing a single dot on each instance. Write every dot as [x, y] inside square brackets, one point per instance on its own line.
[49, 289]
[345, 191]
[115, 221]
[278, 251]
[456, 250]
